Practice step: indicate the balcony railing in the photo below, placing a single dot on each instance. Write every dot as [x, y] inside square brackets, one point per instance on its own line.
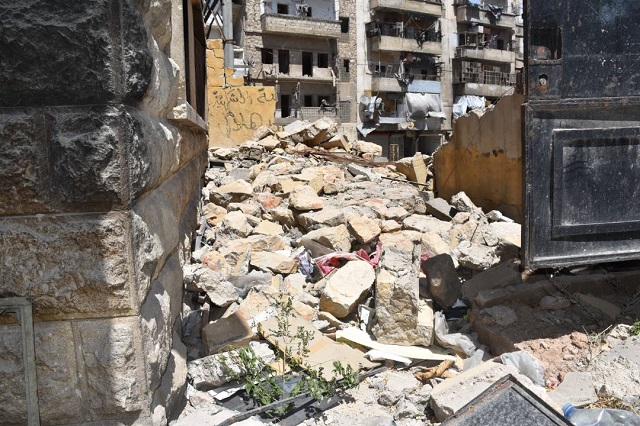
[427, 7]
[486, 77]
[395, 37]
[485, 54]
[291, 24]
[473, 14]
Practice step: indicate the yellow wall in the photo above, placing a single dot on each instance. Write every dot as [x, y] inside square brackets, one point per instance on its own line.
[484, 158]
[235, 111]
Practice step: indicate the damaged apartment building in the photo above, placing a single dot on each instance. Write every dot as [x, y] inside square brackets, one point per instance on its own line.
[306, 50]
[427, 61]
[397, 70]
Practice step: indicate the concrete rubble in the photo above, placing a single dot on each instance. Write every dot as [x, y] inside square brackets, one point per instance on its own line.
[369, 257]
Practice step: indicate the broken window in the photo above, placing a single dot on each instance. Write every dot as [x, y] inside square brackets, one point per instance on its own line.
[267, 56]
[308, 100]
[546, 43]
[283, 61]
[285, 106]
[307, 64]
[344, 24]
[283, 9]
[345, 65]
[323, 60]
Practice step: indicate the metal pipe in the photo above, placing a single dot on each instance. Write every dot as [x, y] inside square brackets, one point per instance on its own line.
[227, 20]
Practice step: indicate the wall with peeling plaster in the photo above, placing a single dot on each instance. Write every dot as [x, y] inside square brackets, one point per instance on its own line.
[235, 111]
[484, 158]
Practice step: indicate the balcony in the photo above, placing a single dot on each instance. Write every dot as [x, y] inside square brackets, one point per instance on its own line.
[385, 80]
[297, 25]
[483, 16]
[491, 84]
[485, 54]
[432, 7]
[397, 37]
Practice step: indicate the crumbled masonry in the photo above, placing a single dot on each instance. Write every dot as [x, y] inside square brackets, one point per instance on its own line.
[366, 254]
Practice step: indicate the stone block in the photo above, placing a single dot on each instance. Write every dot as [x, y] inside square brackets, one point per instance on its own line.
[214, 44]
[500, 276]
[80, 266]
[336, 237]
[98, 51]
[346, 287]
[157, 316]
[304, 198]
[443, 282]
[364, 230]
[57, 373]
[439, 208]
[110, 352]
[227, 333]
[274, 262]
[22, 154]
[328, 216]
[87, 166]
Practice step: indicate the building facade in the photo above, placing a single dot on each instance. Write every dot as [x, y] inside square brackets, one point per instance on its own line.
[428, 61]
[306, 50]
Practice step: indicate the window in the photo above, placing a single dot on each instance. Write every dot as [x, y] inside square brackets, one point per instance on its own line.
[323, 60]
[285, 106]
[283, 9]
[344, 24]
[283, 61]
[345, 65]
[307, 64]
[546, 43]
[267, 56]
[308, 100]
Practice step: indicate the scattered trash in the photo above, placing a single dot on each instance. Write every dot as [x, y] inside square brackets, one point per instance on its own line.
[599, 416]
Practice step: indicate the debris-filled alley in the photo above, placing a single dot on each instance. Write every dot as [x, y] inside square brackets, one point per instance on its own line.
[431, 290]
[319, 212]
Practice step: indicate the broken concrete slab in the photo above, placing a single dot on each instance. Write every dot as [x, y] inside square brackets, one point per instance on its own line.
[215, 370]
[439, 208]
[576, 389]
[396, 384]
[346, 287]
[227, 333]
[463, 203]
[477, 257]
[274, 262]
[323, 351]
[328, 216]
[608, 310]
[617, 372]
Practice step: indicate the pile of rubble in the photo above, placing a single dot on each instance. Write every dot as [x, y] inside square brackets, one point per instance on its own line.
[368, 257]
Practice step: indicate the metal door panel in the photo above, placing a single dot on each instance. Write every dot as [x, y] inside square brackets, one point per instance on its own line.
[582, 132]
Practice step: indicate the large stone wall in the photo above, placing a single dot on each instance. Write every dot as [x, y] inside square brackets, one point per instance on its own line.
[484, 158]
[98, 195]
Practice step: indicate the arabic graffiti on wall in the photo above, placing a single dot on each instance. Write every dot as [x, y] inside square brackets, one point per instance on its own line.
[236, 112]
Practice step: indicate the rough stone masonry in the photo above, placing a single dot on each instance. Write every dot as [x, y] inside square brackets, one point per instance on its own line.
[99, 182]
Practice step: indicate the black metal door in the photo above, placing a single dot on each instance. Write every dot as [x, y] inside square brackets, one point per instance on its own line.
[582, 132]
